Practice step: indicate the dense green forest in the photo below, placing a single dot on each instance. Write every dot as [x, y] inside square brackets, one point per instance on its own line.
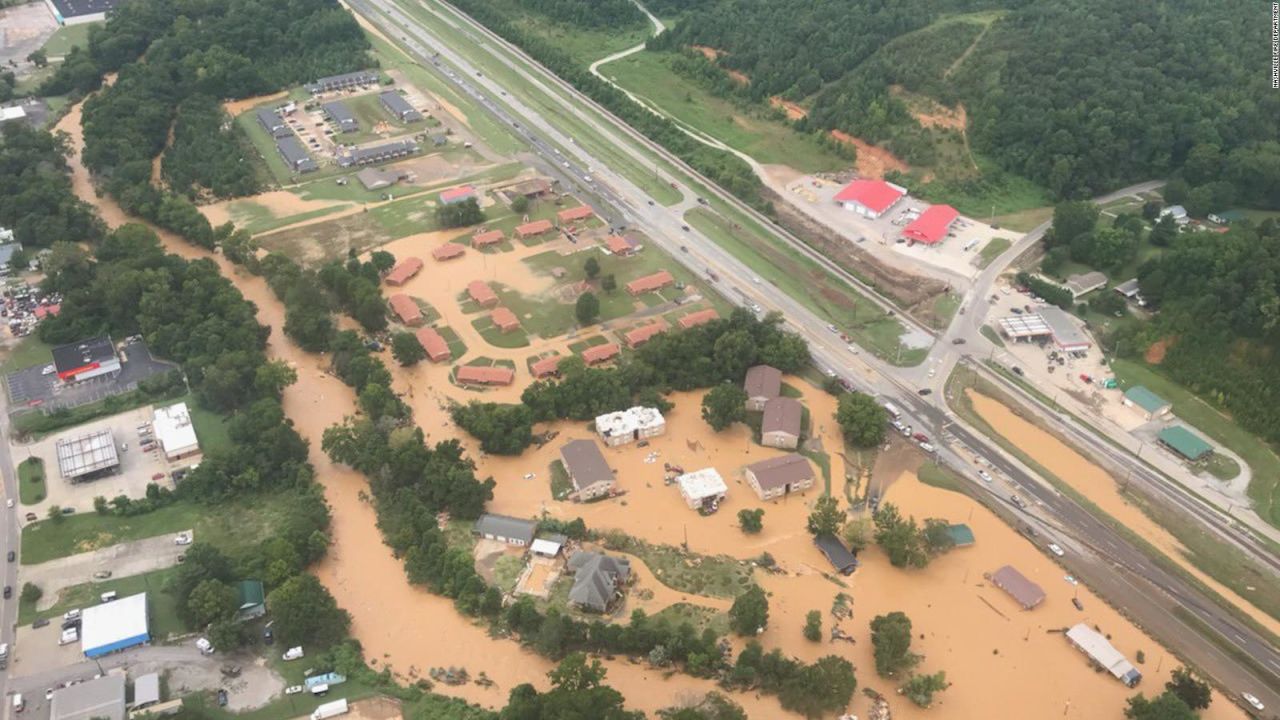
[36, 199]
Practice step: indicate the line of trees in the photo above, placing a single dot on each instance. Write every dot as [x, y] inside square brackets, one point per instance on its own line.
[36, 199]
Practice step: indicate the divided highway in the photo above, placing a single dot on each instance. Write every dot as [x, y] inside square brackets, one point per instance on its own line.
[1117, 569]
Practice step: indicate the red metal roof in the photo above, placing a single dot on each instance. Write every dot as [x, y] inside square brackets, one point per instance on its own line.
[485, 375]
[406, 309]
[448, 251]
[649, 283]
[578, 213]
[546, 366]
[537, 227]
[480, 291]
[487, 238]
[434, 343]
[504, 319]
[43, 311]
[701, 317]
[645, 333]
[600, 353]
[932, 225]
[618, 245]
[875, 195]
[403, 271]
[459, 193]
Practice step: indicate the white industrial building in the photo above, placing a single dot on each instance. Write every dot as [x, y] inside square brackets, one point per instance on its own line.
[114, 626]
[702, 488]
[630, 425]
[174, 432]
[98, 699]
[1100, 650]
[87, 456]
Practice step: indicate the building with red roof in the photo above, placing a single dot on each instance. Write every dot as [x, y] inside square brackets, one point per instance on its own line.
[476, 375]
[932, 226]
[480, 291]
[702, 317]
[600, 353]
[619, 246]
[649, 283]
[870, 198]
[404, 271]
[546, 367]
[582, 212]
[405, 309]
[448, 251]
[533, 229]
[44, 311]
[644, 333]
[434, 343]
[457, 195]
[493, 237]
[504, 319]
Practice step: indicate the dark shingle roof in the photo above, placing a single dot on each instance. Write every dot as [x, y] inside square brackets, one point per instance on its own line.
[596, 578]
[585, 463]
[507, 527]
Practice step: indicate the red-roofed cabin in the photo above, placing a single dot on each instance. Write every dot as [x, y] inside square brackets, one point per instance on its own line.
[649, 283]
[434, 343]
[471, 374]
[533, 229]
[582, 212]
[448, 251]
[504, 319]
[480, 291]
[600, 353]
[644, 334]
[44, 311]
[619, 246]
[932, 225]
[702, 317]
[404, 271]
[546, 367]
[405, 309]
[493, 237]
[870, 198]
[457, 195]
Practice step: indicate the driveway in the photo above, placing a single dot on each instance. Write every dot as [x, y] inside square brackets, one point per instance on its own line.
[123, 560]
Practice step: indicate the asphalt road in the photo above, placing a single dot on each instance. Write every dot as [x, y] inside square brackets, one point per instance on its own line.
[1106, 561]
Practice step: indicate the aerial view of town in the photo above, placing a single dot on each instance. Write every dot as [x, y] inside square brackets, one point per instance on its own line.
[622, 359]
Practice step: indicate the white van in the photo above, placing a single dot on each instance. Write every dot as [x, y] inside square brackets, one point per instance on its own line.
[108, 596]
[18, 703]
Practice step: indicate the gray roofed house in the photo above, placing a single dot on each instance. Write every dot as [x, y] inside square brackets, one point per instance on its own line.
[399, 107]
[377, 153]
[1085, 283]
[844, 561]
[763, 383]
[504, 528]
[1128, 288]
[343, 81]
[271, 121]
[597, 580]
[295, 155]
[780, 475]
[376, 178]
[90, 700]
[1027, 593]
[439, 140]
[341, 115]
[781, 424]
[587, 469]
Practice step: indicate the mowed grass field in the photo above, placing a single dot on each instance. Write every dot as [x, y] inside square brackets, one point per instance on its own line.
[649, 76]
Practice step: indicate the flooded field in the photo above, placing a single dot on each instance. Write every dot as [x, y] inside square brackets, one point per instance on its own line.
[1094, 482]
[1002, 662]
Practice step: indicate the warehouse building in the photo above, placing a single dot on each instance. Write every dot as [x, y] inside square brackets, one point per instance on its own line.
[587, 469]
[87, 456]
[1103, 654]
[344, 81]
[341, 116]
[630, 425]
[870, 198]
[175, 432]
[295, 154]
[99, 699]
[399, 107]
[932, 226]
[86, 359]
[114, 626]
[79, 12]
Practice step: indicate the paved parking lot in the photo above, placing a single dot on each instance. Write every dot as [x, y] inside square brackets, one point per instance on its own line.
[32, 388]
[122, 560]
[137, 469]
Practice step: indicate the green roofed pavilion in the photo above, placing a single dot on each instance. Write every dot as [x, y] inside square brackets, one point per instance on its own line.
[961, 534]
[1184, 442]
[1142, 397]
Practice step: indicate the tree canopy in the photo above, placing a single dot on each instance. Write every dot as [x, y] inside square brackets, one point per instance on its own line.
[891, 638]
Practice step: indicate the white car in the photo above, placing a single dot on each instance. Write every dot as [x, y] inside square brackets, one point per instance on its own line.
[182, 539]
[1071, 579]
[986, 476]
[1056, 549]
[293, 689]
[71, 614]
[48, 370]
[1255, 702]
[8, 503]
[530, 476]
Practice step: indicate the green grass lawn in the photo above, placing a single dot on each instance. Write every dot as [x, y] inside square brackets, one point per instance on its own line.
[944, 309]
[1221, 467]
[701, 618]
[1264, 488]
[991, 334]
[229, 526]
[369, 112]
[506, 570]
[940, 476]
[457, 348]
[1024, 220]
[29, 351]
[992, 250]
[561, 486]
[31, 481]
[67, 37]
[720, 576]
[163, 606]
[988, 200]
[649, 76]
[495, 337]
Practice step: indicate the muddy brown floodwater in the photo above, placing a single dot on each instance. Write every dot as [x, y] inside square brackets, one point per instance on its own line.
[1101, 489]
[1003, 662]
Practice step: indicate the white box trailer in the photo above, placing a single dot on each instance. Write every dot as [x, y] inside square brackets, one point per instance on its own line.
[330, 709]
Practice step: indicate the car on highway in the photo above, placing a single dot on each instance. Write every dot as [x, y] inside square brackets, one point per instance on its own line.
[651, 202]
[1253, 701]
[832, 328]
[684, 228]
[1056, 549]
[102, 575]
[958, 341]
[986, 476]
[12, 556]
[1017, 370]
[8, 591]
[8, 503]
[39, 623]
[924, 391]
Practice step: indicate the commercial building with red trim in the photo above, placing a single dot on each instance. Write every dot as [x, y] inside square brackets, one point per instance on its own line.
[932, 226]
[86, 359]
[870, 198]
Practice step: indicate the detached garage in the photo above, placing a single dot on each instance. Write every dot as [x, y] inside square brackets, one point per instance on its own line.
[114, 626]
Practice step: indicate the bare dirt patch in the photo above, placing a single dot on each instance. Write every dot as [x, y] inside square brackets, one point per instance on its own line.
[944, 117]
[873, 162]
[236, 107]
[794, 111]
[709, 53]
[1155, 354]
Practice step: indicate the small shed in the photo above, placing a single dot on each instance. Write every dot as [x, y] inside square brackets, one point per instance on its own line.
[702, 489]
[1025, 592]
[840, 557]
[548, 544]
[961, 535]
